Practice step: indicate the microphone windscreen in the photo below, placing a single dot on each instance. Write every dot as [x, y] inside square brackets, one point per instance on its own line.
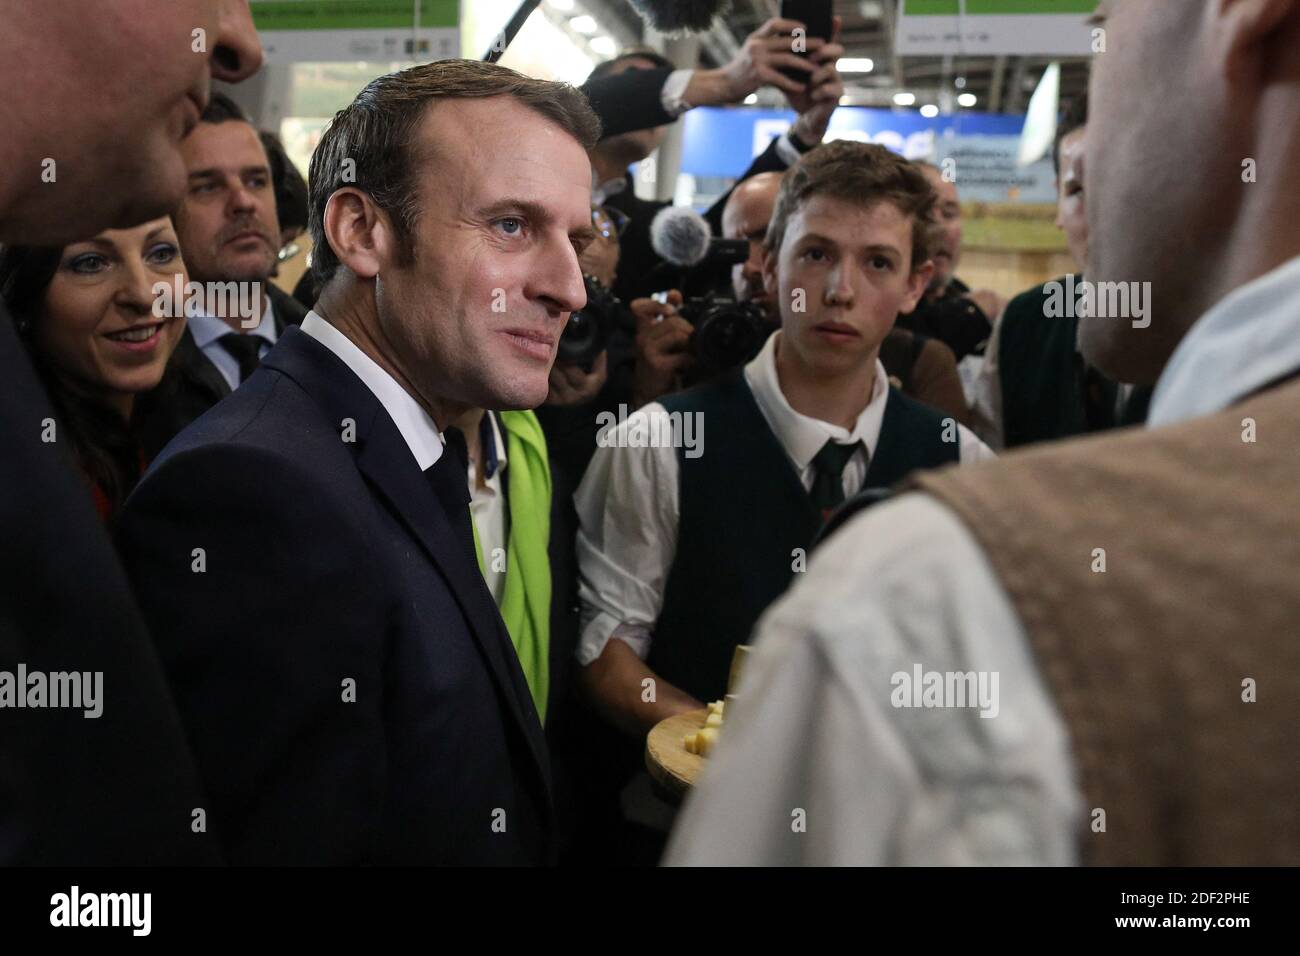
[680, 235]
[681, 16]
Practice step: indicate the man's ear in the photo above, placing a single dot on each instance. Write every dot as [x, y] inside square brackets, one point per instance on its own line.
[1243, 28]
[917, 283]
[359, 232]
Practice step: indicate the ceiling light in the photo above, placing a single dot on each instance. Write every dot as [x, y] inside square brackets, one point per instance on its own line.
[904, 99]
[967, 99]
[604, 46]
[751, 99]
[855, 64]
[564, 5]
[929, 111]
[583, 24]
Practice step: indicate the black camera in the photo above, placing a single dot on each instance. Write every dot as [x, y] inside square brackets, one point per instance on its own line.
[590, 328]
[727, 333]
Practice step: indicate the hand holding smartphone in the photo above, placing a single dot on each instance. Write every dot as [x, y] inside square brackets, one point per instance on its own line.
[817, 18]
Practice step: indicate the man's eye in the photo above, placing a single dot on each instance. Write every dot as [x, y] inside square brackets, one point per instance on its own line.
[258, 182]
[882, 263]
[815, 255]
[511, 226]
[204, 188]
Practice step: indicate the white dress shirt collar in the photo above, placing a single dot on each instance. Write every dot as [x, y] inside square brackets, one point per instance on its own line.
[206, 328]
[1247, 341]
[415, 424]
[801, 436]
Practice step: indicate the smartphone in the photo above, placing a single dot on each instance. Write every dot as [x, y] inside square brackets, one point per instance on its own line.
[816, 16]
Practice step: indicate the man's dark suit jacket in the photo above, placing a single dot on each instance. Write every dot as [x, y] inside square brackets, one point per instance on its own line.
[119, 789]
[329, 564]
[193, 384]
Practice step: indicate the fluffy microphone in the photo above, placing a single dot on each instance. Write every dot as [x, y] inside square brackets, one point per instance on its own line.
[681, 16]
[680, 235]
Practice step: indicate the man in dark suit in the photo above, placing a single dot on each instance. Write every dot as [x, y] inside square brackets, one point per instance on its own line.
[304, 551]
[120, 788]
[229, 231]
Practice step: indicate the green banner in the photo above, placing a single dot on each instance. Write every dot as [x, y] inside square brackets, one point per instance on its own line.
[271, 15]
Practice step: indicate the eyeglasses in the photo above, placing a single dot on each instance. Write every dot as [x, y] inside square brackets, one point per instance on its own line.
[609, 222]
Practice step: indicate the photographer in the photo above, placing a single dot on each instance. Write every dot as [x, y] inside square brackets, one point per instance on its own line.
[663, 352]
[765, 52]
[950, 311]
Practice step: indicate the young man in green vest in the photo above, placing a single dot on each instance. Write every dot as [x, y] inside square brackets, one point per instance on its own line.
[1124, 606]
[696, 512]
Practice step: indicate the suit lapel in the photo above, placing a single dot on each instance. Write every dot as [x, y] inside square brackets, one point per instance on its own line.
[410, 496]
[384, 458]
[199, 368]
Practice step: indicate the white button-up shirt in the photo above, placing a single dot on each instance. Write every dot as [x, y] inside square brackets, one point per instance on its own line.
[628, 503]
[208, 330]
[487, 506]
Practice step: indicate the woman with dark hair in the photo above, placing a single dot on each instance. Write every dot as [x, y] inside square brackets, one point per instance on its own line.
[86, 314]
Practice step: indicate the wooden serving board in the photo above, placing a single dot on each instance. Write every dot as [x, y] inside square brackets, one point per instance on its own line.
[672, 769]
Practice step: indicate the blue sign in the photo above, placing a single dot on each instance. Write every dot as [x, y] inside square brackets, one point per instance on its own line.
[723, 142]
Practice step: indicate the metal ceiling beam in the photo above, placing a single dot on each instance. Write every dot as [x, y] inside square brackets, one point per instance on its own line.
[1015, 97]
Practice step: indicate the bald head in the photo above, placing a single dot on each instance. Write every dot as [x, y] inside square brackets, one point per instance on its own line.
[746, 216]
[947, 236]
